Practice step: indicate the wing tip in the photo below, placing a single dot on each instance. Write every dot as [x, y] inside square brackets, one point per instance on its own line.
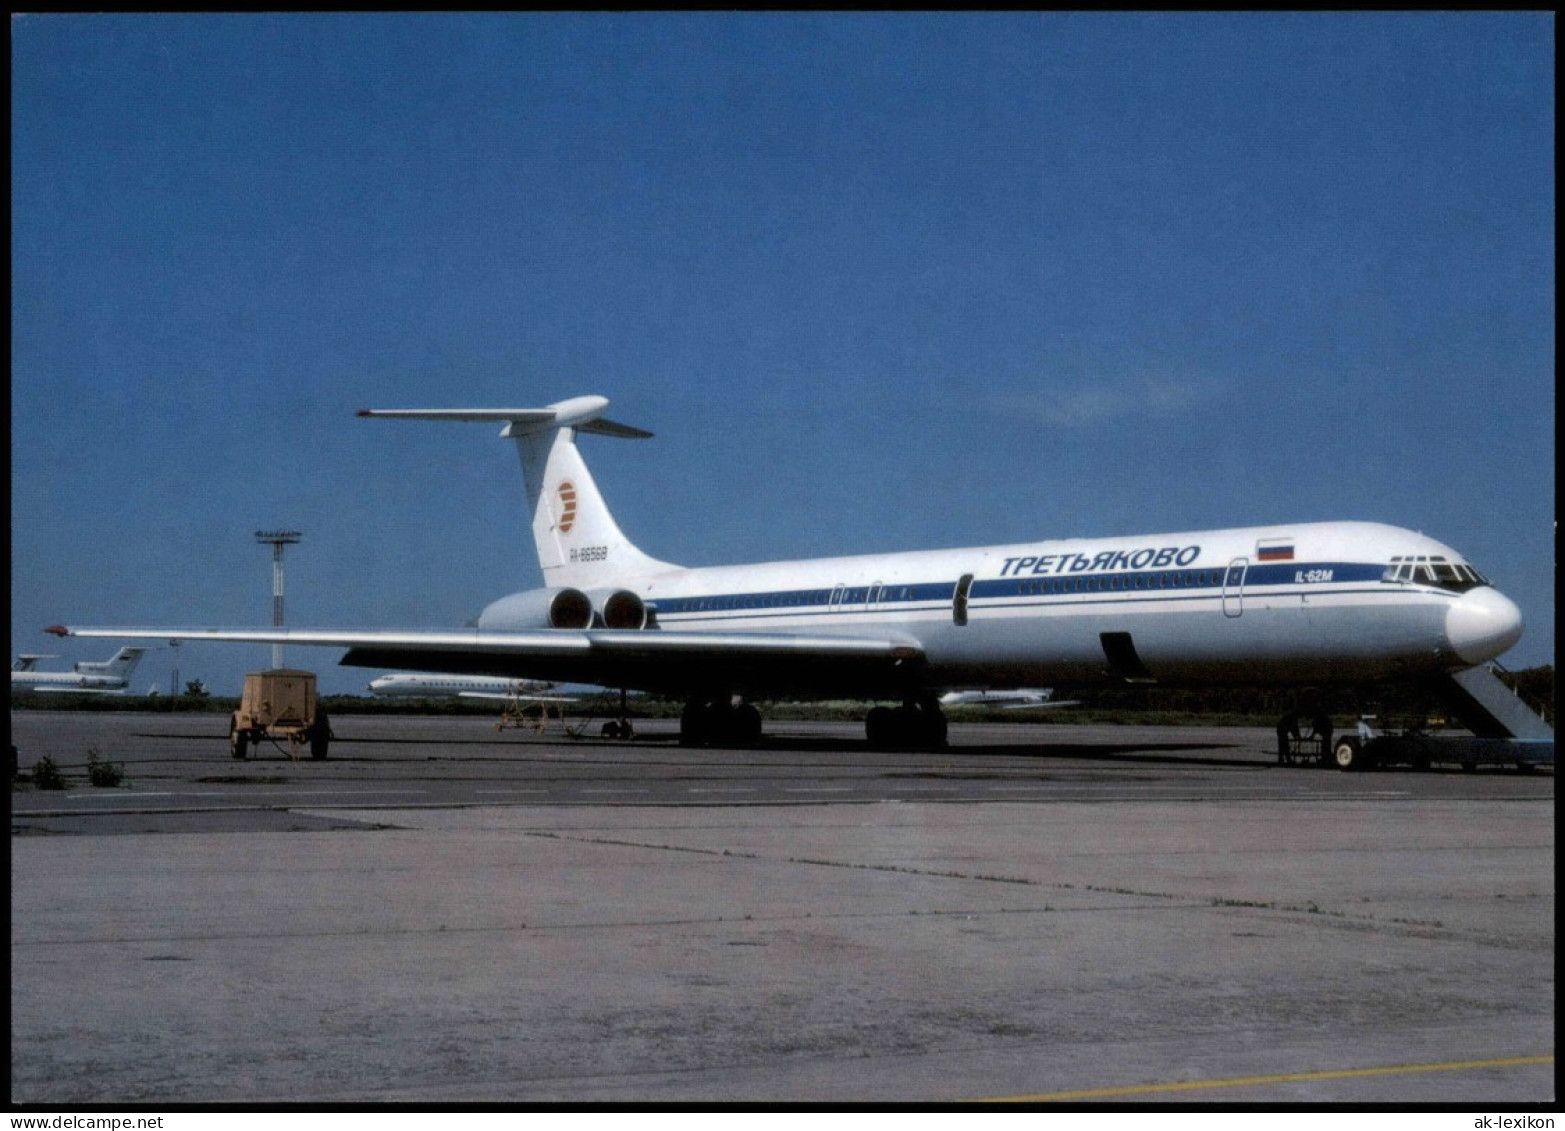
[57, 630]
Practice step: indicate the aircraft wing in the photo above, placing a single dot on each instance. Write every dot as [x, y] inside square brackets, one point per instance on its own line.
[649, 660]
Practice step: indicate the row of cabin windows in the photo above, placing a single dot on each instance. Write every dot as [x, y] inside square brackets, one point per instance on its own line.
[1117, 582]
[1171, 579]
[800, 599]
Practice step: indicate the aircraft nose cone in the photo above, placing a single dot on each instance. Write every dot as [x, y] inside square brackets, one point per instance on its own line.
[1482, 624]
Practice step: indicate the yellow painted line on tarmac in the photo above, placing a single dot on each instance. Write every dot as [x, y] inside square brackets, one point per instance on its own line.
[1286, 1078]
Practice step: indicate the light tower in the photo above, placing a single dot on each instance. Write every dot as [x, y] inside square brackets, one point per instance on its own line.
[277, 539]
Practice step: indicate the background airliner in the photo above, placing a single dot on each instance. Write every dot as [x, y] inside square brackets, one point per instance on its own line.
[1302, 603]
[1013, 699]
[107, 677]
[425, 685]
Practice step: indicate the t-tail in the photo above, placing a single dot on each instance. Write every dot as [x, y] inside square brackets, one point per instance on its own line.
[579, 543]
[121, 664]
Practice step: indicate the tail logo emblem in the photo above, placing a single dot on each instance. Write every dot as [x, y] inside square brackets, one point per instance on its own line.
[567, 492]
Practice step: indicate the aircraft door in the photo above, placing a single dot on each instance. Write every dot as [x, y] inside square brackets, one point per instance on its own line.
[959, 600]
[1233, 587]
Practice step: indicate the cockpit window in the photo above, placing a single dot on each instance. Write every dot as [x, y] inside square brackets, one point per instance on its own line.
[1458, 577]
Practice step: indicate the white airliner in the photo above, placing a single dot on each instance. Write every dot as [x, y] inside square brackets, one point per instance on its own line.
[107, 677]
[1304, 604]
[425, 685]
[1015, 699]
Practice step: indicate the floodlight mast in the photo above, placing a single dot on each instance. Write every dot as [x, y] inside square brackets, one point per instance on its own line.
[277, 539]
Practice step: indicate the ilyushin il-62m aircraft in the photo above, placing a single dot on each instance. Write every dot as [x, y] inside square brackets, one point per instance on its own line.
[1307, 604]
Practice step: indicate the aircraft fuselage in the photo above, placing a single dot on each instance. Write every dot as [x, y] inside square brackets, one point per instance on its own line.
[1313, 603]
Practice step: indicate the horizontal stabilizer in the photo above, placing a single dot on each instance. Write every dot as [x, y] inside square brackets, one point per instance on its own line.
[581, 413]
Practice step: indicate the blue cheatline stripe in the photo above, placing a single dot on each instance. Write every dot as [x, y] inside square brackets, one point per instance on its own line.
[1066, 603]
[1165, 585]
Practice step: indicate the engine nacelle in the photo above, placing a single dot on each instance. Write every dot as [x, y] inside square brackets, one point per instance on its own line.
[619, 608]
[538, 608]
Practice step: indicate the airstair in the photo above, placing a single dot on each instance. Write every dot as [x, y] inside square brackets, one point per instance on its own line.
[1489, 708]
[1506, 730]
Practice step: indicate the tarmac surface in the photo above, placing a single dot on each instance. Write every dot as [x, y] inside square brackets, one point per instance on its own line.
[444, 912]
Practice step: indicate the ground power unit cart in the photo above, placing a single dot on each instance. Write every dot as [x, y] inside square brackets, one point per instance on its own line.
[280, 705]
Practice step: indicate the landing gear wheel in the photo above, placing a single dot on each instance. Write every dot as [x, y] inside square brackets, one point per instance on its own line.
[878, 726]
[935, 728]
[905, 725]
[238, 742]
[695, 724]
[704, 722]
[746, 722]
[910, 726]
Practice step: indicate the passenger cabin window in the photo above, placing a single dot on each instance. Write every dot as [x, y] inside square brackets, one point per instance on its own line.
[1458, 577]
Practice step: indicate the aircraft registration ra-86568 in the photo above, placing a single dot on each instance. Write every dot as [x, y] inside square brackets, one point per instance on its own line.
[1306, 604]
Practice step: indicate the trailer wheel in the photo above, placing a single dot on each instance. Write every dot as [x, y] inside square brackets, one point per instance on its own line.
[1347, 754]
[320, 736]
[237, 740]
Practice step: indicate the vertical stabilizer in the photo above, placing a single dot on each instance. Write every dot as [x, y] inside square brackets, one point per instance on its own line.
[121, 664]
[579, 543]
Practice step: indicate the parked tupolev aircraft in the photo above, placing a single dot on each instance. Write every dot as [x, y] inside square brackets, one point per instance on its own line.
[1016, 699]
[107, 677]
[425, 685]
[1306, 603]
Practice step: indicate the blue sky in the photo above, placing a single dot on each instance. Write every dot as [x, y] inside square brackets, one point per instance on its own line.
[877, 282]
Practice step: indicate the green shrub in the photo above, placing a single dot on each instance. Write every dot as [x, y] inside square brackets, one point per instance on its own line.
[46, 775]
[106, 774]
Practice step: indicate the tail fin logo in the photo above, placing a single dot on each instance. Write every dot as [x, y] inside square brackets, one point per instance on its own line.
[567, 491]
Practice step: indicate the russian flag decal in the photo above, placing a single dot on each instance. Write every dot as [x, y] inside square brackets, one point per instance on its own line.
[1274, 550]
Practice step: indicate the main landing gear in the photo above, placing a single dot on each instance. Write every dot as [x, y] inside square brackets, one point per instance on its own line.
[719, 720]
[920, 725]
